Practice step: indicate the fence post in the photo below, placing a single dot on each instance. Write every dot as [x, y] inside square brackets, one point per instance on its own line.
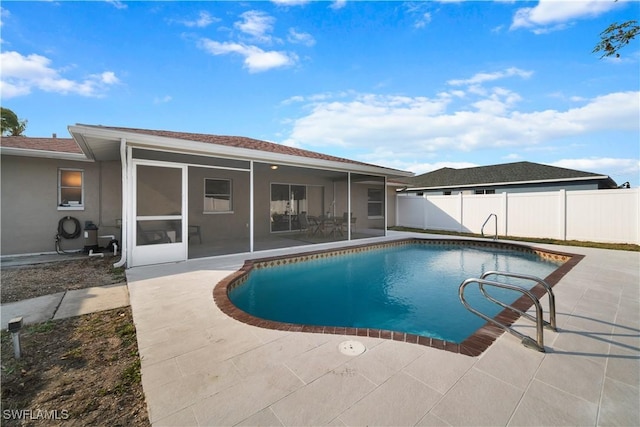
[425, 211]
[505, 214]
[460, 211]
[562, 208]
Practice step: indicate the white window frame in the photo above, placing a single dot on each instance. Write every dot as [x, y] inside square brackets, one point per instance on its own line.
[488, 191]
[205, 195]
[70, 207]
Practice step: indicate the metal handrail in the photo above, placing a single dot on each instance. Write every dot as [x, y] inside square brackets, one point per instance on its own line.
[527, 341]
[485, 223]
[551, 324]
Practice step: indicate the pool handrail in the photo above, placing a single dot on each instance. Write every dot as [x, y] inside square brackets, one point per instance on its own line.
[527, 341]
[551, 324]
[495, 237]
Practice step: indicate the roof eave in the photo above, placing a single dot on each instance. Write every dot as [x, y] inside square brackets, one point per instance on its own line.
[44, 154]
[195, 147]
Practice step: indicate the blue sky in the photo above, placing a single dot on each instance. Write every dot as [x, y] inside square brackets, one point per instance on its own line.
[410, 85]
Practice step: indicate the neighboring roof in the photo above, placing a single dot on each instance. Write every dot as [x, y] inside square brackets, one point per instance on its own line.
[504, 174]
[41, 147]
[93, 140]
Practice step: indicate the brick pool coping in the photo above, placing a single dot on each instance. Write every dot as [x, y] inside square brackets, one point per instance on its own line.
[474, 345]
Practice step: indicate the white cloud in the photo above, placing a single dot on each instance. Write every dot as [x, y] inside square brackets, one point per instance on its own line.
[512, 157]
[21, 74]
[255, 59]
[338, 4]
[108, 77]
[423, 20]
[551, 15]
[419, 126]
[294, 99]
[300, 38]
[204, 20]
[4, 13]
[259, 26]
[601, 165]
[418, 11]
[290, 2]
[256, 24]
[162, 100]
[487, 77]
[117, 4]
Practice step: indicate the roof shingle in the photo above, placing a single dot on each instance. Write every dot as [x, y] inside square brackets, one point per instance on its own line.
[511, 173]
[58, 145]
[239, 142]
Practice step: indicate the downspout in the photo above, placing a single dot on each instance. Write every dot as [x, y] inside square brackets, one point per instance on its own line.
[99, 194]
[125, 205]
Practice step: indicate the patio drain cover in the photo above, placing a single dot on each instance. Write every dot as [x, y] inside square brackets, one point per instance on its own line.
[351, 348]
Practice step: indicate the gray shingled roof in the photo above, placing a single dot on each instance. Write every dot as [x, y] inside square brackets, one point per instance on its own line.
[509, 173]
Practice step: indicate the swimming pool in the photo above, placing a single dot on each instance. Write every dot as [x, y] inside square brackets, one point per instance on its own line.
[405, 289]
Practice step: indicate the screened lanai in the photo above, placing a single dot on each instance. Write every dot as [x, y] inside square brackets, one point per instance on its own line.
[187, 199]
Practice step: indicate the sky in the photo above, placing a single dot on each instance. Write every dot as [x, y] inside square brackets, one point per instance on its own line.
[415, 86]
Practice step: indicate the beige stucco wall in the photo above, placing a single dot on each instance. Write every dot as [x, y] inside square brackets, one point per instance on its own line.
[226, 225]
[30, 215]
[29, 210]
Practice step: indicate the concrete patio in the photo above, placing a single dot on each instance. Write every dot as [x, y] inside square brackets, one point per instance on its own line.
[202, 368]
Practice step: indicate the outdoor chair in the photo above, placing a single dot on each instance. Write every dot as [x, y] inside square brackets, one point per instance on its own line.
[303, 221]
[152, 237]
[345, 217]
[315, 225]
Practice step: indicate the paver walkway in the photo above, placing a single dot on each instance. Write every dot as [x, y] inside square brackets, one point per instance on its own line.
[200, 367]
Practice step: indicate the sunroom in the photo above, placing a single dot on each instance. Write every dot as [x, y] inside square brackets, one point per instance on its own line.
[190, 196]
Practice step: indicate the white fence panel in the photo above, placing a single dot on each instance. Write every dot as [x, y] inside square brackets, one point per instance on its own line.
[477, 208]
[535, 215]
[603, 216]
[410, 211]
[608, 216]
[443, 213]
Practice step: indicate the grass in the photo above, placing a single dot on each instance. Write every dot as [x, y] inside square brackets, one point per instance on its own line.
[41, 328]
[598, 245]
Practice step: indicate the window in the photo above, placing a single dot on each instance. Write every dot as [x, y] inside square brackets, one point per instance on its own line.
[287, 202]
[374, 205]
[446, 193]
[217, 195]
[485, 191]
[70, 189]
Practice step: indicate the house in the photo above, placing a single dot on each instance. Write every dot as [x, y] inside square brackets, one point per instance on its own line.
[171, 196]
[510, 178]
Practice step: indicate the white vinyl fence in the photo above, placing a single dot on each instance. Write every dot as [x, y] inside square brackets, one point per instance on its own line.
[607, 216]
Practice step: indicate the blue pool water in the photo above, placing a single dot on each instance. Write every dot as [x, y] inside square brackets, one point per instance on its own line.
[411, 288]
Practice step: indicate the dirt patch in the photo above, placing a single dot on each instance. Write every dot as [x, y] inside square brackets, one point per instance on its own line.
[82, 371]
[24, 282]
